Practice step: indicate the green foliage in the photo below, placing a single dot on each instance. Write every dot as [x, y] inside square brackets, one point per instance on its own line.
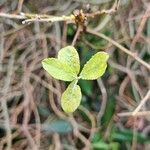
[105, 146]
[70, 56]
[71, 98]
[126, 135]
[116, 138]
[109, 111]
[58, 69]
[95, 67]
[67, 68]
[86, 86]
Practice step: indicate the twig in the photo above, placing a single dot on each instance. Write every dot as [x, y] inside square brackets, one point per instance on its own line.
[134, 139]
[133, 55]
[78, 134]
[57, 141]
[20, 4]
[12, 16]
[140, 28]
[98, 13]
[109, 11]
[4, 103]
[28, 18]
[44, 84]
[76, 35]
[136, 111]
[143, 101]
[36, 17]
[141, 113]
[14, 135]
[49, 19]
[130, 73]
[138, 34]
[91, 118]
[104, 100]
[64, 35]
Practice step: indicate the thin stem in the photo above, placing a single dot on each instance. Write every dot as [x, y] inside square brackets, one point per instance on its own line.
[104, 100]
[49, 19]
[76, 35]
[143, 101]
[28, 18]
[37, 17]
[133, 55]
[12, 16]
[4, 104]
[141, 113]
[75, 83]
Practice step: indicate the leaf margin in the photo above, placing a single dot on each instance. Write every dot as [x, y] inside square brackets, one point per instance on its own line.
[70, 56]
[69, 74]
[76, 89]
[88, 64]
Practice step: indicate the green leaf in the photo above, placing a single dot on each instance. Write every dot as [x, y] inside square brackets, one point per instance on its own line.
[105, 146]
[100, 145]
[86, 86]
[58, 69]
[71, 98]
[70, 56]
[126, 135]
[109, 112]
[95, 67]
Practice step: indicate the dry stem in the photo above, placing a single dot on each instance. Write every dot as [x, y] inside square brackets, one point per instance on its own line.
[133, 55]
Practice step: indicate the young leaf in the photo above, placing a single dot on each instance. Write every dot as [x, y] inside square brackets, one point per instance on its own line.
[58, 69]
[70, 56]
[95, 67]
[71, 98]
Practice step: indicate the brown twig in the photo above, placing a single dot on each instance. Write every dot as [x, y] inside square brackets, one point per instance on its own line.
[133, 55]
[140, 113]
[92, 119]
[76, 35]
[139, 33]
[143, 101]
[20, 4]
[104, 100]
[4, 103]
[28, 18]
[140, 28]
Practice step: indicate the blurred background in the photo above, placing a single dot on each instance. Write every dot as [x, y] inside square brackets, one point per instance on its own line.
[30, 112]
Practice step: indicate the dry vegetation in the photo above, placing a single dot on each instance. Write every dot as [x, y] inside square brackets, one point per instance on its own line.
[114, 113]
